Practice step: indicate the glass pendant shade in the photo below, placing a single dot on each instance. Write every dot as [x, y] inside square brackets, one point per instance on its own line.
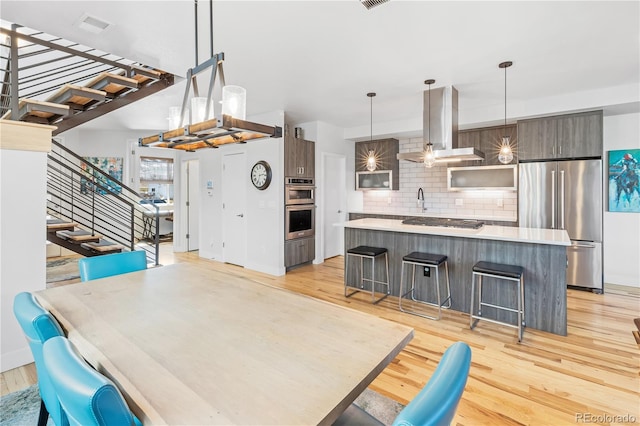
[174, 117]
[429, 157]
[371, 162]
[198, 110]
[506, 154]
[234, 101]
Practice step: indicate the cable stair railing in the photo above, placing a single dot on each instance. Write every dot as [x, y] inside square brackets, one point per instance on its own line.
[92, 213]
[50, 80]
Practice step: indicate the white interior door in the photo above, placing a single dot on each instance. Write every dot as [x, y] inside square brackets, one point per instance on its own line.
[234, 189]
[335, 201]
[193, 205]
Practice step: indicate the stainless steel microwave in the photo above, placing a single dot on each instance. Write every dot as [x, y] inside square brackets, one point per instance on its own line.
[376, 180]
[299, 194]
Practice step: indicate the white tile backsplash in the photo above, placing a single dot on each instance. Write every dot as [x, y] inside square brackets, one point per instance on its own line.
[438, 199]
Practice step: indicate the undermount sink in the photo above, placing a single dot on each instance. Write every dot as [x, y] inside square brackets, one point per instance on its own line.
[444, 222]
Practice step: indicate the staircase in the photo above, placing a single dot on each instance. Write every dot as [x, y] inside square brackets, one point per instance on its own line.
[49, 80]
[68, 235]
[93, 213]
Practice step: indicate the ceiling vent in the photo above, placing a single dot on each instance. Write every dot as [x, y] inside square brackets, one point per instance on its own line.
[372, 3]
[92, 24]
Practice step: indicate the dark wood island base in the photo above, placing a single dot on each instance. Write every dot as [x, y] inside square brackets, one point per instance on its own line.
[544, 262]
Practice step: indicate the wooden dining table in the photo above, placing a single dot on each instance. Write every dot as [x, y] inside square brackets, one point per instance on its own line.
[190, 346]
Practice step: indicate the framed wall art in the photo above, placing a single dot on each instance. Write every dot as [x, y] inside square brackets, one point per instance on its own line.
[624, 189]
[112, 166]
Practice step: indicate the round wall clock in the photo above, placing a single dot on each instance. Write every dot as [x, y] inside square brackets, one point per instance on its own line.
[261, 175]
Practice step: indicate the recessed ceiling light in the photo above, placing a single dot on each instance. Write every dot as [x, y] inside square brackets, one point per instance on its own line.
[92, 24]
[372, 3]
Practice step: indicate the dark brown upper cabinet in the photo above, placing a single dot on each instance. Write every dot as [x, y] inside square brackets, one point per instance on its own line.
[489, 141]
[561, 137]
[386, 151]
[299, 157]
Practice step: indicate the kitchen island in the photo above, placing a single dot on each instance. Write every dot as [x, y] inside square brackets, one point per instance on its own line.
[541, 252]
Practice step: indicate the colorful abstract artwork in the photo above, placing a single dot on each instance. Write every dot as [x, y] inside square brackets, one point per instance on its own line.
[110, 165]
[624, 190]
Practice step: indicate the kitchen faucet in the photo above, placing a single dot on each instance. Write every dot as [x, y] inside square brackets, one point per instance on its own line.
[421, 199]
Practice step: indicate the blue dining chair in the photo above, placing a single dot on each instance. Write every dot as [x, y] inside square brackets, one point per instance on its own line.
[87, 397]
[436, 403]
[39, 326]
[92, 268]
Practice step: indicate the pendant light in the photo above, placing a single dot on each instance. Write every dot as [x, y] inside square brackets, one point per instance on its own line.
[372, 162]
[506, 154]
[429, 157]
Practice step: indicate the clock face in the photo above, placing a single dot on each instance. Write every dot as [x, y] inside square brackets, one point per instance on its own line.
[261, 175]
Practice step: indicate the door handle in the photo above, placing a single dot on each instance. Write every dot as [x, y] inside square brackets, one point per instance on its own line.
[240, 215]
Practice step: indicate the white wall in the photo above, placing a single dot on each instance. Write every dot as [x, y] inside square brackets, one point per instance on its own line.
[264, 217]
[621, 230]
[329, 139]
[22, 243]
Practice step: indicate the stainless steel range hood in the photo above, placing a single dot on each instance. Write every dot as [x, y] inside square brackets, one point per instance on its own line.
[444, 129]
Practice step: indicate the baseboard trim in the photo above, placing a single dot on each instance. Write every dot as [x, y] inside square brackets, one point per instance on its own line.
[15, 359]
[622, 289]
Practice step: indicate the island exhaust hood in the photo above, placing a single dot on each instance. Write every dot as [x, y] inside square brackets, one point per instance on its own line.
[444, 129]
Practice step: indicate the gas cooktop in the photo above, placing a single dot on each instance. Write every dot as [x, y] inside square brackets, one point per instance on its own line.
[441, 221]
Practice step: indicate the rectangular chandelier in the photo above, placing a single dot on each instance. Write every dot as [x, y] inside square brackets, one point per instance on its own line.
[209, 133]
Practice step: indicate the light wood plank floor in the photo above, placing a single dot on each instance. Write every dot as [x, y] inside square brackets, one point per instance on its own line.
[545, 380]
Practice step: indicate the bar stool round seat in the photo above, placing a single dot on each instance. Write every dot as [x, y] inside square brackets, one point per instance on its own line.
[508, 273]
[371, 253]
[431, 261]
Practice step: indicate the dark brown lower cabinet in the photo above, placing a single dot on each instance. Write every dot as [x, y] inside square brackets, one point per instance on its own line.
[299, 251]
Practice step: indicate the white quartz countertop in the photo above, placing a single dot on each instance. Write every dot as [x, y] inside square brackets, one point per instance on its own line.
[487, 232]
[506, 218]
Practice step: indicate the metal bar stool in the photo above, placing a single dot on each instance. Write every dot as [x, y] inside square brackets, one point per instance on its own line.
[367, 252]
[504, 272]
[431, 261]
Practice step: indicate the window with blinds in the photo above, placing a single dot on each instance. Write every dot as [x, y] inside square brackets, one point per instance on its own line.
[156, 169]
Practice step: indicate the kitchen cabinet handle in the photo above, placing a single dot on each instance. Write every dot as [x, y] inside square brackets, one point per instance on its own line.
[240, 215]
[561, 199]
[339, 211]
[553, 199]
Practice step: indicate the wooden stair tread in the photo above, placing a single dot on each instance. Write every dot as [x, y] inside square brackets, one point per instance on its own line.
[44, 110]
[144, 75]
[62, 225]
[103, 246]
[79, 236]
[79, 95]
[112, 83]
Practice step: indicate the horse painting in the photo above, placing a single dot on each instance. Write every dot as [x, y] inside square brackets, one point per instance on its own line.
[627, 184]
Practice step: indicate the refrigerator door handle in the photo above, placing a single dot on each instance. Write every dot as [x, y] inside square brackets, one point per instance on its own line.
[553, 199]
[578, 245]
[561, 199]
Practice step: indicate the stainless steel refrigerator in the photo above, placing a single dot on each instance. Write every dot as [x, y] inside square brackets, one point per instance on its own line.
[567, 195]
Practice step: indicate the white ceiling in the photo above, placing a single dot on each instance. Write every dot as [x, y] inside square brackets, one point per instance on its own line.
[316, 60]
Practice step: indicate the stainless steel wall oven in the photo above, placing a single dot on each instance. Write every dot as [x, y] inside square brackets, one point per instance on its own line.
[300, 210]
